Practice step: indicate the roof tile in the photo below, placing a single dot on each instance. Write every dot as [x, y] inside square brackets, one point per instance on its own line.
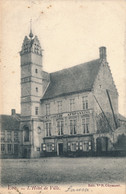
[75, 79]
[9, 122]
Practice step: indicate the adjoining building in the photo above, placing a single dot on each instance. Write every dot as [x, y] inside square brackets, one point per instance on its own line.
[9, 134]
[61, 111]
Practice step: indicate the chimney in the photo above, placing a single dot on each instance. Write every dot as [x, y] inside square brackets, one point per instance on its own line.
[102, 52]
[13, 112]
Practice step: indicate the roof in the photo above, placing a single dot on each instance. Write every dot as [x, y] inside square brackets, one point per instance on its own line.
[31, 45]
[75, 79]
[9, 122]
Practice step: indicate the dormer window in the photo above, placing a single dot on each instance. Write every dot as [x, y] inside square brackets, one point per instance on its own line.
[36, 49]
[25, 49]
[85, 102]
[59, 106]
[72, 104]
[47, 109]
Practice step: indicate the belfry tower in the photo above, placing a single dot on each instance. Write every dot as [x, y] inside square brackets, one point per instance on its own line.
[31, 93]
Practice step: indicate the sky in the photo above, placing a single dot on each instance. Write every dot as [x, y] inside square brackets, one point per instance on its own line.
[70, 33]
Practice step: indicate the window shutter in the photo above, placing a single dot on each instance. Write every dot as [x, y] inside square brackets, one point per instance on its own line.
[76, 145]
[69, 144]
[44, 147]
[80, 145]
[52, 146]
[89, 143]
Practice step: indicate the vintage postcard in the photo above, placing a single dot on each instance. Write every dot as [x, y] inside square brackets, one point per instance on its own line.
[63, 96]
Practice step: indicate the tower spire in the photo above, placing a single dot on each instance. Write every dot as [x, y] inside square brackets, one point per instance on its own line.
[31, 34]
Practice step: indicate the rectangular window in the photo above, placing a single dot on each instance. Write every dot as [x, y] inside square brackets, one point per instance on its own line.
[26, 134]
[15, 136]
[60, 126]
[49, 147]
[9, 147]
[36, 70]
[59, 106]
[36, 110]
[2, 148]
[47, 109]
[2, 136]
[73, 146]
[85, 102]
[68, 146]
[72, 127]
[15, 148]
[87, 146]
[48, 129]
[8, 135]
[72, 104]
[85, 124]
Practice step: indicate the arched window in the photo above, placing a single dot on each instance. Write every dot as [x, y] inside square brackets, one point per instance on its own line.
[26, 133]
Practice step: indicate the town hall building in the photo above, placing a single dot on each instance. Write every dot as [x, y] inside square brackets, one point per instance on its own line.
[71, 112]
[60, 110]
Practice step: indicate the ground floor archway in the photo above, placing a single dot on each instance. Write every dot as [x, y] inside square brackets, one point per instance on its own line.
[102, 144]
[26, 152]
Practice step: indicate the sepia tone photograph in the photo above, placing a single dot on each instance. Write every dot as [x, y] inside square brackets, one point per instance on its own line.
[63, 96]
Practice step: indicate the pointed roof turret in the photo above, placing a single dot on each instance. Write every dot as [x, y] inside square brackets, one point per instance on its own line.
[31, 44]
[31, 34]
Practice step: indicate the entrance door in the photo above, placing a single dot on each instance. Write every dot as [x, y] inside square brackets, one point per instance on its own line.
[26, 153]
[102, 144]
[60, 145]
[99, 145]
